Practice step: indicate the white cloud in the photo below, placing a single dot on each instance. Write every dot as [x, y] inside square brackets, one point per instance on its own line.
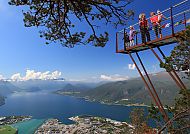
[32, 74]
[2, 77]
[115, 77]
[131, 66]
[76, 80]
[143, 73]
[16, 76]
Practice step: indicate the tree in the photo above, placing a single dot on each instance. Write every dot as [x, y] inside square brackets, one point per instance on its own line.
[139, 121]
[55, 17]
[179, 60]
[179, 122]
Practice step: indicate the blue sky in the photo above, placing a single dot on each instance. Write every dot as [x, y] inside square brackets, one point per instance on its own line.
[22, 49]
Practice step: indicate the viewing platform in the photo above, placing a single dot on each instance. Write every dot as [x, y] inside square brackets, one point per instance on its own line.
[177, 18]
[174, 21]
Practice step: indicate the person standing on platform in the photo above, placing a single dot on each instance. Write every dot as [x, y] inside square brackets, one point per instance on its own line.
[132, 33]
[160, 18]
[143, 23]
[155, 24]
[126, 41]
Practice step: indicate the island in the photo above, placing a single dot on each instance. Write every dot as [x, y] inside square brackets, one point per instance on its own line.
[85, 125]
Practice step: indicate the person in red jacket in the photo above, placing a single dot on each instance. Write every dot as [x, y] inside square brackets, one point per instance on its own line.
[155, 23]
[143, 23]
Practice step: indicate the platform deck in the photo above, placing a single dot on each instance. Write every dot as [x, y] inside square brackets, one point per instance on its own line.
[154, 43]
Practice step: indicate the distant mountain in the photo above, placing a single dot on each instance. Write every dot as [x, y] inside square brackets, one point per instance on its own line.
[133, 91]
[32, 89]
[52, 85]
[2, 100]
[38, 85]
[87, 84]
[7, 88]
[73, 89]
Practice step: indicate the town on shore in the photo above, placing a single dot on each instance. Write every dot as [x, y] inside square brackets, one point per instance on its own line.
[85, 125]
[8, 120]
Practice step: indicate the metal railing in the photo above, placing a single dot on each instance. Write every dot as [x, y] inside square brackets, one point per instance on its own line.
[177, 18]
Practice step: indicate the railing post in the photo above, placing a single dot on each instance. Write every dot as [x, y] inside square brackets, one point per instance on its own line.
[124, 40]
[117, 42]
[185, 20]
[172, 21]
[136, 38]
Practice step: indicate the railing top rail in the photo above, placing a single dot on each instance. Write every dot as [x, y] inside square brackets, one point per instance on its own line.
[180, 3]
[161, 12]
[186, 11]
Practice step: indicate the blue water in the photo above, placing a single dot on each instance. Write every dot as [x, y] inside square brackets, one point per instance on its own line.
[42, 105]
[28, 127]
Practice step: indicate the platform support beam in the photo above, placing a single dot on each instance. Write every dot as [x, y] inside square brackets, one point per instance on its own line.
[153, 88]
[176, 81]
[176, 75]
[149, 89]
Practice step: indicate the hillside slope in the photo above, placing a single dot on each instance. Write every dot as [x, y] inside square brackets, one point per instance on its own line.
[7, 88]
[133, 91]
[2, 100]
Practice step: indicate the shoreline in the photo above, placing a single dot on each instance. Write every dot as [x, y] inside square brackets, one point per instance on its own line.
[114, 104]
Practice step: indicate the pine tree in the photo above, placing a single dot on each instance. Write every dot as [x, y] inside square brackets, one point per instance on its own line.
[56, 19]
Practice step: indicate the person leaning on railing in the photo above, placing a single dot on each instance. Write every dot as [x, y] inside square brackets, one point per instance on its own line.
[143, 23]
[160, 18]
[155, 24]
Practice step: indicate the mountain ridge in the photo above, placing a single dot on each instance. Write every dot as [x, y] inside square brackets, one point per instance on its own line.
[133, 91]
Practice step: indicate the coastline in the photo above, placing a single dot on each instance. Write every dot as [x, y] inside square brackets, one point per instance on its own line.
[118, 104]
[105, 103]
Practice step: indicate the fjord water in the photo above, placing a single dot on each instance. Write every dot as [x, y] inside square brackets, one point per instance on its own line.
[28, 127]
[44, 105]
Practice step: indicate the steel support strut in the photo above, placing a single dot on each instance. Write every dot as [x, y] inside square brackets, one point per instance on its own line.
[178, 78]
[150, 92]
[153, 88]
[176, 81]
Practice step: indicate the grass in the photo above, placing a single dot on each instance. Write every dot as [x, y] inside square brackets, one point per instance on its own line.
[7, 130]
